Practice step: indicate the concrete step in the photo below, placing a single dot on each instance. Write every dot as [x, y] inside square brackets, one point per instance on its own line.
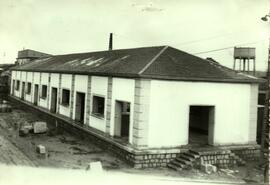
[194, 152]
[183, 161]
[186, 157]
[177, 163]
[174, 167]
[188, 154]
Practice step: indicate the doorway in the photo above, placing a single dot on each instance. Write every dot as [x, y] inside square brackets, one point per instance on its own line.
[23, 91]
[201, 125]
[36, 94]
[122, 119]
[54, 100]
[80, 107]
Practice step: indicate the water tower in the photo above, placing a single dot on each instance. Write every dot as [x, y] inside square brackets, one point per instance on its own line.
[244, 59]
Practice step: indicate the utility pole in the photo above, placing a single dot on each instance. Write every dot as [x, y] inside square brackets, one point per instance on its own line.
[266, 120]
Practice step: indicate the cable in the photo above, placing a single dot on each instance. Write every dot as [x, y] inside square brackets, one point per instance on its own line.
[199, 40]
[125, 37]
[214, 50]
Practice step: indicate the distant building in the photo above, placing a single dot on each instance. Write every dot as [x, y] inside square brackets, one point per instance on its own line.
[143, 101]
[27, 55]
[5, 76]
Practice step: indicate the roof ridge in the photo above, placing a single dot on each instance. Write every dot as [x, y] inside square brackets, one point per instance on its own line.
[153, 59]
[113, 50]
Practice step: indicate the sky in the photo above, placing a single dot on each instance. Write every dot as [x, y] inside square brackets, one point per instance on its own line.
[76, 26]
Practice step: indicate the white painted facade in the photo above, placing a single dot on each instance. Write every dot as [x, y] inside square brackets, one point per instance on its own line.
[123, 90]
[43, 102]
[165, 118]
[99, 87]
[80, 86]
[29, 79]
[65, 84]
[169, 111]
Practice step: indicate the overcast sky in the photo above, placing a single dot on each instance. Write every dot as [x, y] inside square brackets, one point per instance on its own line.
[73, 26]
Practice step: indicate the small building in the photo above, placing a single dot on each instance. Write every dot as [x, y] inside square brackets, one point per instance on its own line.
[27, 55]
[151, 100]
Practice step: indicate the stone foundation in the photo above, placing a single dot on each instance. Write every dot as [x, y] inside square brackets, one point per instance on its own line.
[228, 157]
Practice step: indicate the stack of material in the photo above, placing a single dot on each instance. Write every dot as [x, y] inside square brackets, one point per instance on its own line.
[25, 129]
[41, 149]
[40, 127]
[37, 127]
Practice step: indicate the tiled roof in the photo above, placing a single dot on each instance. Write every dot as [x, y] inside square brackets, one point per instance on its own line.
[161, 62]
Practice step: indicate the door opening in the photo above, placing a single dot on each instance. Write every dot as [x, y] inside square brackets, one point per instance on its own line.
[122, 119]
[201, 125]
[36, 94]
[23, 91]
[54, 100]
[80, 107]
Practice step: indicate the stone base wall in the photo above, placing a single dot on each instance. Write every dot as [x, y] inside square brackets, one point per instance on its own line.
[228, 158]
[249, 154]
[219, 159]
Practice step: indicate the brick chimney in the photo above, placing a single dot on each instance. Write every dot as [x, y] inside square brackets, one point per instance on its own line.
[111, 42]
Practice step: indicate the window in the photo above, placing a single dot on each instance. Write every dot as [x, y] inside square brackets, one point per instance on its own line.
[44, 91]
[13, 85]
[65, 97]
[17, 85]
[98, 106]
[29, 86]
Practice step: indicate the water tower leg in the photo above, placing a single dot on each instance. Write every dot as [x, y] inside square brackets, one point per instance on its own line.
[248, 65]
[240, 65]
[254, 66]
[244, 64]
[234, 64]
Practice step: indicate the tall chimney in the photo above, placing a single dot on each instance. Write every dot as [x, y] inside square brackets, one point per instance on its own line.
[111, 42]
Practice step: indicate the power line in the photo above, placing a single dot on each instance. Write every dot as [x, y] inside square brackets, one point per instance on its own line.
[208, 38]
[125, 37]
[203, 39]
[229, 47]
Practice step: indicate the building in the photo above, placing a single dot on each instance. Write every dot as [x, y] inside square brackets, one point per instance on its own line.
[152, 100]
[5, 75]
[27, 55]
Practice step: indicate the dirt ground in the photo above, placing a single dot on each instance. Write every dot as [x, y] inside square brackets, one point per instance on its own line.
[67, 151]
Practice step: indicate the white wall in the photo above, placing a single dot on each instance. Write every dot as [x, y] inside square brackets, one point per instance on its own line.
[99, 87]
[54, 83]
[37, 82]
[23, 76]
[65, 84]
[17, 93]
[44, 81]
[123, 90]
[169, 111]
[28, 97]
[81, 82]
